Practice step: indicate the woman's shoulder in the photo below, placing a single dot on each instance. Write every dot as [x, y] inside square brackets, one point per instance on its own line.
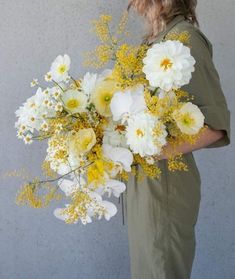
[196, 38]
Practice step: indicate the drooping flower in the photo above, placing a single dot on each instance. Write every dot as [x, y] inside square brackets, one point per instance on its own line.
[168, 65]
[74, 101]
[60, 68]
[189, 118]
[141, 137]
[124, 104]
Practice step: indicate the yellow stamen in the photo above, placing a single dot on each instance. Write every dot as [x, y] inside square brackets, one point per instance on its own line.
[139, 133]
[73, 103]
[166, 64]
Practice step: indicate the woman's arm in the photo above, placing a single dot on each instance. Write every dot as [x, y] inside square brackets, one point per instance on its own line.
[208, 136]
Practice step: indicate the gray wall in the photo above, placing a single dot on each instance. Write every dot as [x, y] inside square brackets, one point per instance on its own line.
[33, 244]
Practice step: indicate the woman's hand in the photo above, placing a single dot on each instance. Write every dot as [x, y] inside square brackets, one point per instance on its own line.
[208, 136]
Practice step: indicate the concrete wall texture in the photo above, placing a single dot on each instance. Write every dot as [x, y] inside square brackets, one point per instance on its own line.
[35, 245]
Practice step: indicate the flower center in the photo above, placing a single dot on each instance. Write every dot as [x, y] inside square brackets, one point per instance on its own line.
[139, 133]
[61, 69]
[166, 64]
[72, 103]
[187, 120]
[107, 98]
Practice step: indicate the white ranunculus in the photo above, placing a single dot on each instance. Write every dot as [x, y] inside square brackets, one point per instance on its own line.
[189, 118]
[126, 103]
[60, 68]
[74, 101]
[168, 65]
[140, 136]
[119, 155]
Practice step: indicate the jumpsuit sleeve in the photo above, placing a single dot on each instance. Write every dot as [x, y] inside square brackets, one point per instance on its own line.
[206, 88]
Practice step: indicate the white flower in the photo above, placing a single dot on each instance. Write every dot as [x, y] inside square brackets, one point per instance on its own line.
[189, 118]
[88, 83]
[28, 139]
[124, 104]
[34, 82]
[71, 186]
[119, 155]
[140, 134]
[74, 101]
[48, 77]
[112, 186]
[60, 67]
[168, 65]
[110, 209]
[114, 134]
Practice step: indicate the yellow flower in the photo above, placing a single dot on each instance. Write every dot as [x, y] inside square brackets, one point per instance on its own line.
[102, 96]
[189, 118]
[82, 141]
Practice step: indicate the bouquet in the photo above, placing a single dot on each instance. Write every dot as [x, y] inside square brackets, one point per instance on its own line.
[100, 126]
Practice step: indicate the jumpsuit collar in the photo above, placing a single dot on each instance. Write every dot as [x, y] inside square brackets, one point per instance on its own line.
[169, 26]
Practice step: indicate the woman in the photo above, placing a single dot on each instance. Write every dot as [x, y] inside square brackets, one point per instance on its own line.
[162, 214]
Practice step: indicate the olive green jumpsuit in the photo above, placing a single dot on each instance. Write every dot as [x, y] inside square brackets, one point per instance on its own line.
[161, 214]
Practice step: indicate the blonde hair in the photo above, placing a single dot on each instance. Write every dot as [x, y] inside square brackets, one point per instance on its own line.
[159, 12]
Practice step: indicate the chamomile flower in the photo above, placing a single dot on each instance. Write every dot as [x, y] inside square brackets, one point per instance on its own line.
[34, 83]
[48, 77]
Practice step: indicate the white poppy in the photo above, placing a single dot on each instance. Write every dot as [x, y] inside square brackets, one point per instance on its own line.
[60, 67]
[74, 101]
[189, 118]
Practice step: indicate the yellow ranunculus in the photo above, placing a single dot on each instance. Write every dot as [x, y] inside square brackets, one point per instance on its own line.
[82, 141]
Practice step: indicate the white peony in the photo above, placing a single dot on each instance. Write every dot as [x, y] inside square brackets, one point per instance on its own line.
[124, 104]
[168, 65]
[60, 68]
[140, 135]
[189, 118]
